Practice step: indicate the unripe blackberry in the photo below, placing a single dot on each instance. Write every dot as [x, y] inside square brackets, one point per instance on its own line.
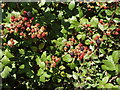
[12, 17]
[43, 34]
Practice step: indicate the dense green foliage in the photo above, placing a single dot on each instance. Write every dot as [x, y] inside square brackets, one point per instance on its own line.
[61, 46]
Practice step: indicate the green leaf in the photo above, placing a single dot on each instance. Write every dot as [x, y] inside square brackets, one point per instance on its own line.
[80, 12]
[75, 75]
[62, 67]
[109, 85]
[108, 12]
[38, 60]
[79, 36]
[1, 53]
[116, 20]
[42, 64]
[60, 15]
[104, 80]
[5, 60]
[43, 2]
[87, 42]
[21, 51]
[42, 78]
[118, 80]
[93, 56]
[94, 22]
[117, 66]
[6, 72]
[49, 58]
[83, 21]
[22, 66]
[41, 46]
[102, 27]
[71, 5]
[34, 48]
[67, 58]
[102, 51]
[108, 65]
[112, 27]
[117, 11]
[8, 54]
[71, 65]
[40, 72]
[115, 56]
[46, 75]
[44, 56]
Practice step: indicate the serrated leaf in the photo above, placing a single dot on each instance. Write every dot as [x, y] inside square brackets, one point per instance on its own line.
[79, 36]
[108, 65]
[5, 60]
[46, 75]
[22, 66]
[94, 22]
[43, 2]
[80, 12]
[71, 5]
[41, 46]
[71, 65]
[116, 20]
[105, 80]
[67, 58]
[87, 42]
[40, 72]
[115, 56]
[1, 53]
[109, 85]
[8, 54]
[118, 80]
[117, 11]
[38, 60]
[83, 21]
[108, 12]
[44, 56]
[34, 48]
[21, 51]
[42, 78]
[102, 27]
[6, 72]
[42, 64]
[75, 75]
[102, 51]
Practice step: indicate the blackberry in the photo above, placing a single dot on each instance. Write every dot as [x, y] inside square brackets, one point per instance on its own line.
[82, 48]
[98, 41]
[1, 27]
[29, 14]
[72, 54]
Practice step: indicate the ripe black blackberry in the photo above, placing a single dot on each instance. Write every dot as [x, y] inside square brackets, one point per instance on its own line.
[29, 14]
[72, 54]
[98, 41]
[1, 27]
[82, 48]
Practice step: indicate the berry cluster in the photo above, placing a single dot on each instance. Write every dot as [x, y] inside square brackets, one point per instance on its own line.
[52, 63]
[10, 42]
[22, 27]
[80, 50]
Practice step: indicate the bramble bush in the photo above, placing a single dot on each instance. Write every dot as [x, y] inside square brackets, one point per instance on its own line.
[60, 45]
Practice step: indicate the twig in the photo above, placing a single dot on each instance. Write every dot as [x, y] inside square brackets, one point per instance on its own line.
[113, 78]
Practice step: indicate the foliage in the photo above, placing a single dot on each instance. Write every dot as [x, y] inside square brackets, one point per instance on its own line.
[60, 45]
